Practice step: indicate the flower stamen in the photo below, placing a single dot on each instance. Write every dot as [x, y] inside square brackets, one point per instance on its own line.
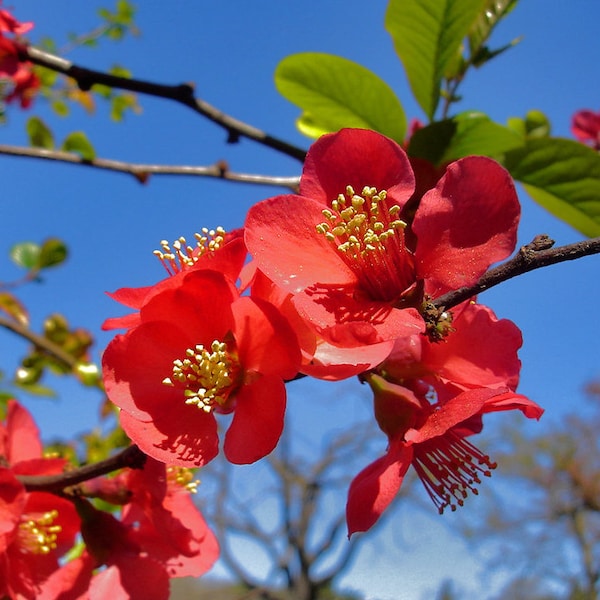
[183, 256]
[207, 376]
[369, 236]
[449, 467]
[38, 536]
[183, 477]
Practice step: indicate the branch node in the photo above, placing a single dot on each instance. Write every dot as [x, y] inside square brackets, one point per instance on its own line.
[233, 136]
[540, 242]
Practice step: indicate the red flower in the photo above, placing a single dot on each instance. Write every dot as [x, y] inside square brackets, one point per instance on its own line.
[9, 24]
[433, 439]
[24, 81]
[200, 348]
[479, 351]
[160, 534]
[35, 528]
[586, 127]
[343, 250]
[214, 250]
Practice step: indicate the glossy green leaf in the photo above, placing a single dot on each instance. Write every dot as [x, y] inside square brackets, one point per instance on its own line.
[494, 11]
[427, 35]
[464, 135]
[39, 134]
[334, 92]
[25, 254]
[564, 177]
[78, 142]
[53, 252]
[478, 134]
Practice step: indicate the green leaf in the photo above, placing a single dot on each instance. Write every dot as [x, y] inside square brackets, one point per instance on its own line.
[494, 11]
[78, 142]
[427, 35]
[537, 124]
[25, 254]
[53, 252]
[60, 107]
[464, 135]
[39, 134]
[478, 134]
[564, 177]
[334, 92]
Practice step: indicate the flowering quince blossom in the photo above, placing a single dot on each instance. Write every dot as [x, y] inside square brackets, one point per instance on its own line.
[214, 249]
[35, 528]
[479, 351]
[196, 348]
[160, 535]
[24, 82]
[357, 267]
[585, 126]
[431, 437]
[428, 398]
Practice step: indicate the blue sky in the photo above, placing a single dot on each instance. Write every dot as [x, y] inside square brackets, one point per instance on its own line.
[230, 49]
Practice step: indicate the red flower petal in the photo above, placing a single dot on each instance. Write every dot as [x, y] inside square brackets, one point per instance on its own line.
[257, 421]
[356, 157]
[453, 412]
[468, 221]
[281, 236]
[333, 363]
[374, 488]
[481, 352]
[12, 502]
[265, 341]
[132, 577]
[345, 321]
[23, 436]
[186, 438]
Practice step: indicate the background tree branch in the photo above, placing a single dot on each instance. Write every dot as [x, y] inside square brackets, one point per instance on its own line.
[183, 94]
[142, 172]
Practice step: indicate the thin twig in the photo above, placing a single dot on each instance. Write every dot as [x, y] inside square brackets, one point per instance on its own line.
[142, 172]
[131, 457]
[40, 342]
[183, 94]
[539, 253]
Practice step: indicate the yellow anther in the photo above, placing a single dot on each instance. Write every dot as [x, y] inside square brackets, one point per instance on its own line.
[207, 376]
[182, 255]
[39, 535]
[183, 477]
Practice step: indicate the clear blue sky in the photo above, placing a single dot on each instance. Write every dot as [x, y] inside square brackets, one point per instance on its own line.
[229, 49]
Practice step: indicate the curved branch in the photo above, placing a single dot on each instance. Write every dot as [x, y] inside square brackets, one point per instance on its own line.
[131, 457]
[142, 172]
[538, 253]
[40, 342]
[183, 94]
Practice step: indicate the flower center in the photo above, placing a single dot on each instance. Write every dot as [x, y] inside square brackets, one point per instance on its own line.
[369, 236]
[183, 256]
[207, 376]
[183, 477]
[449, 467]
[38, 536]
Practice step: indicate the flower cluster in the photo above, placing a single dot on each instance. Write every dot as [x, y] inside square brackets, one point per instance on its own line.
[158, 535]
[23, 82]
[333, 282]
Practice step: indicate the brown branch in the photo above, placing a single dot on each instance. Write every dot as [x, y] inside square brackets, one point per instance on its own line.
[183, 94]
[142, 172]
[40, 342]
[539, 253]
[131, 457]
